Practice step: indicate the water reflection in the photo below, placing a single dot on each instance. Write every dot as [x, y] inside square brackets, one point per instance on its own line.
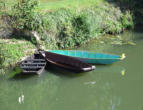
[21, 99]
[57, 89]
[34, 89]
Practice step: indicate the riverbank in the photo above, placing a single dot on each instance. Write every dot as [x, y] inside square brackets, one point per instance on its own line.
[60, 28]
[13, 51]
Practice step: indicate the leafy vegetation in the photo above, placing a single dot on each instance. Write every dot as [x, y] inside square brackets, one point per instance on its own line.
[65, 28]
[24, 14]
[135, 6]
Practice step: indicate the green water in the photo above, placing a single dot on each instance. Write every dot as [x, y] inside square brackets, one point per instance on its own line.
[109, 87]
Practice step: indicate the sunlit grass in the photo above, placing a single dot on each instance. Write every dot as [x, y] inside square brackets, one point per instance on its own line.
[57, 4]
[14, 50]
[72, 4]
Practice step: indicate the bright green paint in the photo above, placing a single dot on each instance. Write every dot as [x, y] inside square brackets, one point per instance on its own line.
[89, 57]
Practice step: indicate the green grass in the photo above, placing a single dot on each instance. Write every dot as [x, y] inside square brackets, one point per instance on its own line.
[67, 28]
[72, 4]
[46, 5]
[13, 50]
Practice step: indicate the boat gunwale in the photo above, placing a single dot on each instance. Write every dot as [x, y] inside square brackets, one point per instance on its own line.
[120, 58]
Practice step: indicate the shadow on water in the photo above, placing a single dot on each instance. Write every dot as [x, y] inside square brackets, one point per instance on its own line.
[138, 31]
[21, 76]
[63, 72]
[138, 28]
[16, 74]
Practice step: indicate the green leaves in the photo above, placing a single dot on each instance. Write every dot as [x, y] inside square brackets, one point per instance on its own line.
[127, 20]
[24, 14]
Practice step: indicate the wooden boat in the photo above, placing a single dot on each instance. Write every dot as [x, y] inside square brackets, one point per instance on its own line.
[66, 62]
[34, 64]
[90, 57]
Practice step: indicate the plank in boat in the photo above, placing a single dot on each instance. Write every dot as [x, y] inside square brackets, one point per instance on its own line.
[34, 64]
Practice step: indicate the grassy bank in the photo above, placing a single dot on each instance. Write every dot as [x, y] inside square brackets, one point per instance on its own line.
[66, 28]
[68, 4]
[62, 24]
[46, 5]
[13, 51]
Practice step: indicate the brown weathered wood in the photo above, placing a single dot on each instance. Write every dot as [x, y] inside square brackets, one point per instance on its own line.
[67, 62]
[34, 64]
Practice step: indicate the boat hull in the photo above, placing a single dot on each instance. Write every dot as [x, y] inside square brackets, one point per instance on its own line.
[66, 62]
[34, 64]
[89, 57]
[98, 61]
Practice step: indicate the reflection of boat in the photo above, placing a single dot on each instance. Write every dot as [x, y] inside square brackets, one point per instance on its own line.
[90, 57]
[66, 62]
[34, 64]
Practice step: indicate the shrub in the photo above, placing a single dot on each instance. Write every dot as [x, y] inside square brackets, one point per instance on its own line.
[66, 28]
[24, 15]
[127, 20]
[69, 28]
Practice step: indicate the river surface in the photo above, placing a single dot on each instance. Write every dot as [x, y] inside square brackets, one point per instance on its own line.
[109, 87]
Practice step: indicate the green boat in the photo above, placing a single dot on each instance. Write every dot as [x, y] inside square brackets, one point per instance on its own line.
[91, 57]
